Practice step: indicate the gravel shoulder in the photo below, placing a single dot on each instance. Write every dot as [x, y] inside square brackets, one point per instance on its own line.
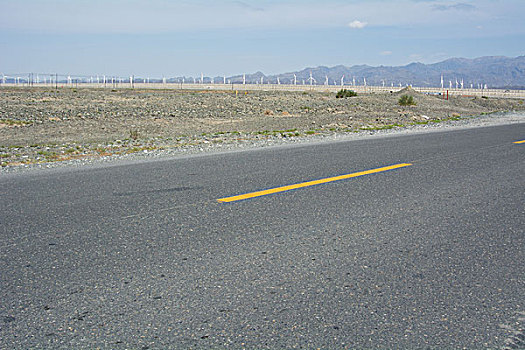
[44, 128]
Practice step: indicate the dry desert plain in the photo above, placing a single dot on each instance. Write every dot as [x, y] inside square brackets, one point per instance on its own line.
[44, 125]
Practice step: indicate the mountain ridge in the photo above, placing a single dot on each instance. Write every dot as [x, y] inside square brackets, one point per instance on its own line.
[493, 71]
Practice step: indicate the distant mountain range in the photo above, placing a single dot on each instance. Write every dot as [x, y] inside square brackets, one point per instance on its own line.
[493, 71]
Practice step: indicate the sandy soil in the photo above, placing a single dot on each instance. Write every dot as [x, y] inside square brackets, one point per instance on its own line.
[40, 125]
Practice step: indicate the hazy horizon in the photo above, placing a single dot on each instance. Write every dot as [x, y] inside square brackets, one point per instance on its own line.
[184, 38]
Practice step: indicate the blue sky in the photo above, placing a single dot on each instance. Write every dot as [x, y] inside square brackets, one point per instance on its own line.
[172, 38]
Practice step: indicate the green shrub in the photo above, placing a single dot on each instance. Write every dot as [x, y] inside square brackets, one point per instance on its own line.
[343, 93]
[406, 100]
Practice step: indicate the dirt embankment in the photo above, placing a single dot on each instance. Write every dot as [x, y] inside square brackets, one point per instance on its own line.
[42, 125]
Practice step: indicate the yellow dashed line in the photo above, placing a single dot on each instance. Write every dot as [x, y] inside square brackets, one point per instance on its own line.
[309, 183]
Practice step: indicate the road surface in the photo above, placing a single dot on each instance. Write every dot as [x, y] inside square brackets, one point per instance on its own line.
[427, 254]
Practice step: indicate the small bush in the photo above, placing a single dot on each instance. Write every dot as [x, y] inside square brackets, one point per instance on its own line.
[134, 134]
[406, 100]
[343, 93]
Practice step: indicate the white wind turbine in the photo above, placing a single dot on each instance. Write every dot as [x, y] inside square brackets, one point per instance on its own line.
[295, 79]
[450, 84]
[244, 79]
[224, 80]
[262, 80]
[202, 78]
[311, 79]
[326, 80]
[353, 81]
[461, 83]
[441, 81]
[278, 81]
[364, 81]
[343, 80]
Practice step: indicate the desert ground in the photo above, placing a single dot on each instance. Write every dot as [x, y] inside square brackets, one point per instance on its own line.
[43, 125]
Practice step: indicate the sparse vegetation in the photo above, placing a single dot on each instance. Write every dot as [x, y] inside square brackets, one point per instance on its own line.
[344, 93]
[134, 134]
[12, 122]
[133, 121]
[406, 100]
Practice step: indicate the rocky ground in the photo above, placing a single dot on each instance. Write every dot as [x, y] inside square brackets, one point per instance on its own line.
[43, 126]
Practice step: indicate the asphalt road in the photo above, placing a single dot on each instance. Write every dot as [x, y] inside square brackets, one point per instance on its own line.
[143, 256]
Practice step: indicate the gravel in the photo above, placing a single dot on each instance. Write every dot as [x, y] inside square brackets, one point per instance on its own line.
[44, 128]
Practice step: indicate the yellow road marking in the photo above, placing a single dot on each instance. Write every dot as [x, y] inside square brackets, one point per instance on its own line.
[522, 141]
[309, 183]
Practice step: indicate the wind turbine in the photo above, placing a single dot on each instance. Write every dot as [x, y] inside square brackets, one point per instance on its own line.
[441, 81]
[224, 80]
[353, 81]
[262, 80]
[364, 81]
[278, 81]
[450, 84]
[343, 80]
[202, 78]
[456, 83]
[311, 79]
[244, 79]
[326, 80]
[295, 79]
[461, 83]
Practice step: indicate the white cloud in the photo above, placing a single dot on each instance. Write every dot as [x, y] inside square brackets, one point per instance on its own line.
[357, 24]
[458, 7]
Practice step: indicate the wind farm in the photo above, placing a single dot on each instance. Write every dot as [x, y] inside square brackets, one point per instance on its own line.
[486, 76]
